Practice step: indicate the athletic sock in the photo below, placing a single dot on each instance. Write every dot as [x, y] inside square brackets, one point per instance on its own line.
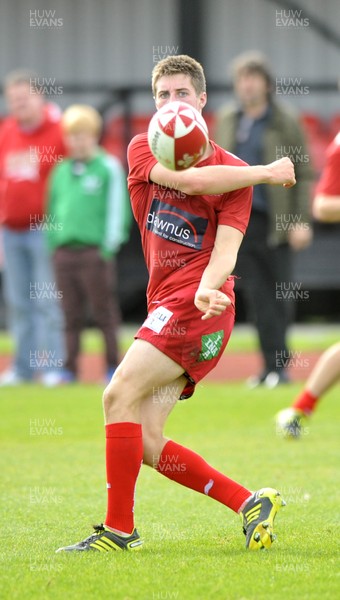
[306, 402]
[189, 469]
[124, 454]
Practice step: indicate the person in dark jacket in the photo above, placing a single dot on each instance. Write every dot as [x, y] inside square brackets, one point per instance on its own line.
[259, 130]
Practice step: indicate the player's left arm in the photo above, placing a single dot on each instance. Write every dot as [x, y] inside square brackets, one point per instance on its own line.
[208, 298]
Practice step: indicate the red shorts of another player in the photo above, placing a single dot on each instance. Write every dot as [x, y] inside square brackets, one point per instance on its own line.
[176, 328]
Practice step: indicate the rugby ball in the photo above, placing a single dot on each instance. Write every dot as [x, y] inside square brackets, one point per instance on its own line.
[178, 136]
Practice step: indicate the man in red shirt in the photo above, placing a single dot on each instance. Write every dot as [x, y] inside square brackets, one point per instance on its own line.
[30, 145]
[192, 224]
[326, 208]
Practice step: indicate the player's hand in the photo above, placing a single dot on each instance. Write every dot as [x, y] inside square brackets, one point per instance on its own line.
[301, 237]
[281, 172]
[211, 302]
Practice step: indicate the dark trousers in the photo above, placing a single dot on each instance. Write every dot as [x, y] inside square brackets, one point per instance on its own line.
[262, 270]
[84, 277]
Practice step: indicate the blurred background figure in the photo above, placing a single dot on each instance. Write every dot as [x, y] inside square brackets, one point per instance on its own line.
[89, 202]
[326, 208]
[30, 145]
[259, 131]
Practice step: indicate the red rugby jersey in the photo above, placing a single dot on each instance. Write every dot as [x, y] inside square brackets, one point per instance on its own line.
[178, 231]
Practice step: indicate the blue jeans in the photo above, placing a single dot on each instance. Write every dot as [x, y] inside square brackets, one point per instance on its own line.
[32, 306]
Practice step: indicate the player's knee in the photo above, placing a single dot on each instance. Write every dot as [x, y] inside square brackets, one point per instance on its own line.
[109, 397]
[119, 392]
[114, 394]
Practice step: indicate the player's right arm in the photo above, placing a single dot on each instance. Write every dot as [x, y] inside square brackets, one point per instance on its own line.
[220, 179]
[326, 208]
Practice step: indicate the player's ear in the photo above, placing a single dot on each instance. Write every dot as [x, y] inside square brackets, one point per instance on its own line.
[203, 99]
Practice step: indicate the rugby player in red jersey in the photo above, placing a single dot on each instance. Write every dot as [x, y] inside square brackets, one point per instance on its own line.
[290, 422]
[192, 224]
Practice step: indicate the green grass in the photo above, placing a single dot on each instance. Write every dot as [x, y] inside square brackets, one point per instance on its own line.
[243, 339]
[53, 489]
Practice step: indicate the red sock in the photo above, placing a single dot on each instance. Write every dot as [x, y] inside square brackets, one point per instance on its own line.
[124, 454]
[188, 468]
[306, 402]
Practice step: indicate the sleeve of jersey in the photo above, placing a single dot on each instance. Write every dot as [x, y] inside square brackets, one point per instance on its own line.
[140, 160]
[234, 209]
[329, 183]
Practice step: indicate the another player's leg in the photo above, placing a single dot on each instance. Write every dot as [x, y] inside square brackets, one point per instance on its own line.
[143, 369]
[326, 372]
[184, 466]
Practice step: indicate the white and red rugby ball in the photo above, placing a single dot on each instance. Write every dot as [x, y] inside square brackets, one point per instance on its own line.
[178, 136]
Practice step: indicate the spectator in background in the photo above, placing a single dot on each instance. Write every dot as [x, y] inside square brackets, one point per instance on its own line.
[30, 145]
[88, 200]
[326, 373]
[259, 130]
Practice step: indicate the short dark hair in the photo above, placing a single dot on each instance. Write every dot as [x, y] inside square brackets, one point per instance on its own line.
[180, 64]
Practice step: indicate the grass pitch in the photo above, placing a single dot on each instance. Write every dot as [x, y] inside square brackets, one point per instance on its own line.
[53, 490]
